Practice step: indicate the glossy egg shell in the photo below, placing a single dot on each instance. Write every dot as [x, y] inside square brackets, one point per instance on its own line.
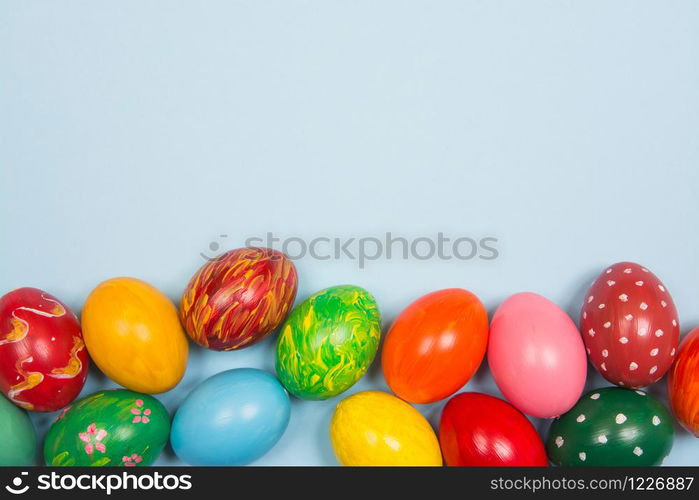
[481, 430]
[231, 418]
[435, 345]
[683, 383]
[536, 355]
[373, 428]
[238, 298]
[612, 427]
[630, 326]
[328, 342]
[134, 335]
[43, 360]
[17, 436]
[108, 428]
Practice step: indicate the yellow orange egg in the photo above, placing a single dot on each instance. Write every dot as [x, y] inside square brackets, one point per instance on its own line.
[133, 334]
[375, 428]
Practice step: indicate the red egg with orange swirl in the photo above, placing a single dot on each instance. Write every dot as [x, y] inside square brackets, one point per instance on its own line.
[43, 361]
[238, 298]
[683, 383]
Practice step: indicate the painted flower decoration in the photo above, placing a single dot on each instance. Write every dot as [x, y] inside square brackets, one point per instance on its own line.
[131, 461]
[93, 439]
[140, 413]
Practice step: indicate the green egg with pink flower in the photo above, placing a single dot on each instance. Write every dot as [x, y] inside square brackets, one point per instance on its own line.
[108, 428]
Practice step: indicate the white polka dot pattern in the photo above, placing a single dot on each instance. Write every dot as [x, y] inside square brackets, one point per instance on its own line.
[612, 426]
[631, 325]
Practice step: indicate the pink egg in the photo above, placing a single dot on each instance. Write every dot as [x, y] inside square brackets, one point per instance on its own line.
[536, 355]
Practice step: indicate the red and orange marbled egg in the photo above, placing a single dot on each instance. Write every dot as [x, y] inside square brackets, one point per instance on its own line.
[238, 298]
[683, 383]
[43, 361]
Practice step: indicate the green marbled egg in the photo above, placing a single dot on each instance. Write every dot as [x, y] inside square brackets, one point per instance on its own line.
[109, 428]
[328, 342]
[612, 426]
[17, 435]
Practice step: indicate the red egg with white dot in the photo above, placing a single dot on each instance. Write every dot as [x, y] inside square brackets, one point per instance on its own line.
[630, 326]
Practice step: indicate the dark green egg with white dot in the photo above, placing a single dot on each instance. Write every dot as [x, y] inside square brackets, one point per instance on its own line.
[612, 427]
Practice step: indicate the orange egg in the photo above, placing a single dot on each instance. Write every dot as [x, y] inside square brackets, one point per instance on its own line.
[683, 383]
[435, 345]
[133, 334]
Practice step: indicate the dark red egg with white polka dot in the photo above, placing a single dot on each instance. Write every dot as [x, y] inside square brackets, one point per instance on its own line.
[630, 327]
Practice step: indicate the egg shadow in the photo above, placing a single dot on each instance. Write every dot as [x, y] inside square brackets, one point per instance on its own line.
[323, 438]
[41, 423]
[96, 375]
[268, 346]
[575, 302]
[318, 433]
[433, 412]
[375, 372]
[482, 374]
[169, 456]
[542, 426]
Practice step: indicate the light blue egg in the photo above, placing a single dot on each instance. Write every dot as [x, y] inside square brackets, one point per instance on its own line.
[232, 418]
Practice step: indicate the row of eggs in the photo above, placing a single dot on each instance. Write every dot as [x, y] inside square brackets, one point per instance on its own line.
[238, 415]
[537, 356]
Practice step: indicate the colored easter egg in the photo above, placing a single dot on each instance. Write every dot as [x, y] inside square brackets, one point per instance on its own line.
[630, 326]
[134, 335]
[435, 345]
[238, 298]
[481, 430]
[683, 383]
[377, 429]
[232, 418]
[612, 426]
[108, 428]
[328, 342]
[17, 436]
[536, 355]
[43, 360]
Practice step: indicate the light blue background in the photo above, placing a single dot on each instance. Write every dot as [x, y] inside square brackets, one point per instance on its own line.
[134, 133]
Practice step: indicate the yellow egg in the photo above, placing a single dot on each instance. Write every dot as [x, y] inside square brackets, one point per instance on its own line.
[133, 334]
[375, 428]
